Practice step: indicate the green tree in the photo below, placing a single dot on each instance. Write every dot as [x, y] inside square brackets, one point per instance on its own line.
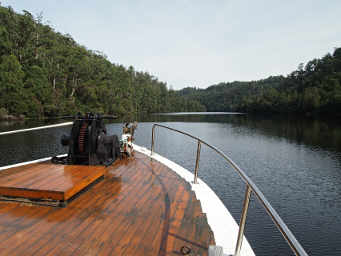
[11, 85]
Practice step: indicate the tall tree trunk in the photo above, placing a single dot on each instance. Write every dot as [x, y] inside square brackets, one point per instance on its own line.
[36, 46]
[54, 83]
[74, 85]
[73, 92]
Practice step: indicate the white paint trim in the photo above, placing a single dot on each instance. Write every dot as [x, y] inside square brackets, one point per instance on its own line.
[37, 128]
[29, 162]
[224, 227]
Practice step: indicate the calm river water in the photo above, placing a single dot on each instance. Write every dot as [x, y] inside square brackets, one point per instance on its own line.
[295, 162]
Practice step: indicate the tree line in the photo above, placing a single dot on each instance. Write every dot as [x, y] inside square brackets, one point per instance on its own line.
[314, 88]
[44, 73]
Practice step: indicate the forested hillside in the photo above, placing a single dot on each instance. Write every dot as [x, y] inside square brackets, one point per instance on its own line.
[44, 73]
[312, 88]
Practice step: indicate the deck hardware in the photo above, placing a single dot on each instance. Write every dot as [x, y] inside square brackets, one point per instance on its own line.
[216, 250]
[185, 250]
[295, 246]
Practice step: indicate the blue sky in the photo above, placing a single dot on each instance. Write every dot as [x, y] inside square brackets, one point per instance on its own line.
[198, 43]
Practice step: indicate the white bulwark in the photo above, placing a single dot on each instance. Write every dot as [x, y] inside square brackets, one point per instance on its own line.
[224, 227]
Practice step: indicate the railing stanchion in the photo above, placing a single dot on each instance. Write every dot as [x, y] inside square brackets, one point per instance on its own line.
[197, 163]
[153, 138]
[243, 220]
[250, 187]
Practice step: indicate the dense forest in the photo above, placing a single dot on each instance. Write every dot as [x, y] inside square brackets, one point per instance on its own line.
[311, 89]
[44, 73]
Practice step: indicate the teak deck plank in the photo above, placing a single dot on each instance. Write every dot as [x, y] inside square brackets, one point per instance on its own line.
[47, 181]
[140, 208]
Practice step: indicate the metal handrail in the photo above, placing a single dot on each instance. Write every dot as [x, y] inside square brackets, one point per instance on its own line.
[250, 187]
[36, 128]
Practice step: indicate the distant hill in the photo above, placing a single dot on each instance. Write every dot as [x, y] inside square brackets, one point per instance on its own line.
[312, 88]
[44, 73]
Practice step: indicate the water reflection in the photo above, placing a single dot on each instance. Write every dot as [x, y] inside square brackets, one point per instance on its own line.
[295, 161]
[321, 133]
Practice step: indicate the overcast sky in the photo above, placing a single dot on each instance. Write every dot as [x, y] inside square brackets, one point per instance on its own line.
[198, 42]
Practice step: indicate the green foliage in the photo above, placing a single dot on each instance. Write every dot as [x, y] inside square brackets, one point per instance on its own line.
[44, 73]
[313, 88]
[11, 84]
[3, 113]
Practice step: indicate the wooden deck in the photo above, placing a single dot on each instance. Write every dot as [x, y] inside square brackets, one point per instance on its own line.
[139, 208]
[47, 181]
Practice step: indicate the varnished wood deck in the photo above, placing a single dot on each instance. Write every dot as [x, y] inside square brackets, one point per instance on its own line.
[139, 208]
[47, 181]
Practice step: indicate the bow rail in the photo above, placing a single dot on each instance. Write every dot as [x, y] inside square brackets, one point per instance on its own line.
[36, 128]
[250, 188]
